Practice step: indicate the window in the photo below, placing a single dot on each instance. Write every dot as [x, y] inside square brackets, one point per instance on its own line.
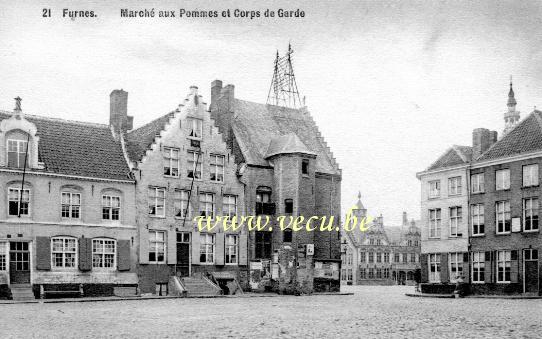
[288, 206]
[305, 166]
[263, 245]
[195, 128]
[396, 257]
[104, 253]
[454, 186]
[263, 201]
[157, 201]
[371, 257]
[378, 273]
[477, 183]
[503, 266]
[18, 204]
[502, 211]
[378, 257]
[16, 153]
[171, 161]
[363, 273]
[455, 220]
[529, 253]
[477, 219]
[110, 207]
[229, 205]
[409, 242]
[63, 252]
[180, 203]
[207, 248]
[478, 267]
[3, 251]
[71, 205]
[405, 257]
[530, 214]
[386, 274]
[386, 257]
[412, 257]
[530, 175]
[192, 159]
[502, 179]
[343, 274]
[456, 266]
[287, 235]
[232, 245]
[361, 256]
[207, 205]
[217, 168]
[434, 189]
[371, 273]
[434, 223]
[157, 247]
[371, 241]
[434, 267]
[378, 241]
[349, 278]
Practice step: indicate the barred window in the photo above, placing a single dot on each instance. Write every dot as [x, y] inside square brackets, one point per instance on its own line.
[103, 253]
[63, 252]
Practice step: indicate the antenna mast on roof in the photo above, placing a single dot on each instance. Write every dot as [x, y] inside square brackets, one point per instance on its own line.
[283, 90]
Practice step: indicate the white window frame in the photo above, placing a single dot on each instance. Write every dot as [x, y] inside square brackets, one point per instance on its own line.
[159, 242]
[180, 204]
[207, 248]
[195, 128]
[503, 216]
[435, 222]
[216, 167]
[456, 217]
[454, 186]
[20, 151]
[530, 209]
[455, 265]
[69, 203]
[157, 195]
[3, 256]
[207, 204]
[99, 247]
[530, 175]
[478, 267]
[17, 198]
[231, 247]
[477, 219]
[504, 265]
[502, 179]
[229, 205]
[434, 264]
[171, 160]
[108, 206]
[194, 169]
[477, 183]
[434, 188]
[64, 252]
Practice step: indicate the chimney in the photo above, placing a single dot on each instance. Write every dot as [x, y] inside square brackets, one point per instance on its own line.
[118, 112]
[216, 88]
[482, 139]
[405, 219]
[222, 109]
[229, 94]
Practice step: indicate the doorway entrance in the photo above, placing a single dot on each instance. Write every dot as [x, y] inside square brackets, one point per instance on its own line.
[530, 271]
[183, 254]
[19, 262]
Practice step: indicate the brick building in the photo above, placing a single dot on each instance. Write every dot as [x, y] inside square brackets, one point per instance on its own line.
[183, 169]
[383, 255]
[287, 169]
[68, 227]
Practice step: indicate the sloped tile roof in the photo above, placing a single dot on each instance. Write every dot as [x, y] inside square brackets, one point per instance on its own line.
[140, 140]
[78, 148]
[255, 125]
[526, 137]
[456, 155]
[286, 144]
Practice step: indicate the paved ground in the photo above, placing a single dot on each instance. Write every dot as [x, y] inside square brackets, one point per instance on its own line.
[381, 312]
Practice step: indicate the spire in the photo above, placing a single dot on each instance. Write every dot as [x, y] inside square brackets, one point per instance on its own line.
[511, 117]
[511, 99]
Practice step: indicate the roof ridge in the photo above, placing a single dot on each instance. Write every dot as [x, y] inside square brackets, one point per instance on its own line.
[41, 117]
[153, 120]
[460, 153]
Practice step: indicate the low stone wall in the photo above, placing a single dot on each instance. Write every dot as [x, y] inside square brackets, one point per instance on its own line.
[442, 288]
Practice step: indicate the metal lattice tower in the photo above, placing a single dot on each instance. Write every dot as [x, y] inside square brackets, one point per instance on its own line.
[283, 90]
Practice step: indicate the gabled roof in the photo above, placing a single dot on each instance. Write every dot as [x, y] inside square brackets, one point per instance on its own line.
[455, 155]
[140, 140]
[286, 144]
[254, 125]
[526, 137]
[78, 148]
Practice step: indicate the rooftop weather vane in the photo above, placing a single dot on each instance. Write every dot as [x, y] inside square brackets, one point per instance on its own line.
[283, 90]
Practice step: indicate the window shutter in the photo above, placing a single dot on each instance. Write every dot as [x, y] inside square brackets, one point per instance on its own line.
[488, 268]
[243, 249]
[171, 247]
[424, 267]
[514, 269]
[43, 253]
[195, 247]
[444, 275]
[85, 254]
[143, 246]
[466, 267]
[123, 255]
[219, 248]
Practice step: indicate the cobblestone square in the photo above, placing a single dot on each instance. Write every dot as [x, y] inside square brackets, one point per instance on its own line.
[372, 312]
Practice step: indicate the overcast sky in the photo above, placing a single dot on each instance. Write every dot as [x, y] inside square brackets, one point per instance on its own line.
[391, 85]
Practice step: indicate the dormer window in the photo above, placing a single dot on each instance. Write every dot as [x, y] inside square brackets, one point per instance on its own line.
[195, 128]
[17, 149]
